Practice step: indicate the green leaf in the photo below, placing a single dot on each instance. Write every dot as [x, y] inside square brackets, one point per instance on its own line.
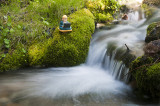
[8, 24]
[11, 30]
[5, 17]
[19, 27]
[45, 22]
[3, 55]
[1, 27]
[23, 50]
[7, 46]
[6, 41]
[6, 30]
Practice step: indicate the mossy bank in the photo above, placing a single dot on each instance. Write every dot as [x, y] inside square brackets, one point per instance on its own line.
[27, 27]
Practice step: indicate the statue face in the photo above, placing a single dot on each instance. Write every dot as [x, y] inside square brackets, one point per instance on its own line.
[64, 19]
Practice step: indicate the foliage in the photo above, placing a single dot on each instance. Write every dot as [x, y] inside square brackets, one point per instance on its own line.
[66, 49]
[29, 22]
[99, 8]
[53, 10]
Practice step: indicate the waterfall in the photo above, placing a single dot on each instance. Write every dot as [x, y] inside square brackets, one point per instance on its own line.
[108, 50]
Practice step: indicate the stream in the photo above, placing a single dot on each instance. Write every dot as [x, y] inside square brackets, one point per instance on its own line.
[101, 81]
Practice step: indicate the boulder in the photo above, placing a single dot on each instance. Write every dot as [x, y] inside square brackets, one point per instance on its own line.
[152, 48]
[65, 49]
[146, 72]
[153, 32]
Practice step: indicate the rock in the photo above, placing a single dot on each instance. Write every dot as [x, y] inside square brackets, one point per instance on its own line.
[100, 25]
[152, 48]
[146, 71]
[65, 49]
[4, 100]
[153, 32]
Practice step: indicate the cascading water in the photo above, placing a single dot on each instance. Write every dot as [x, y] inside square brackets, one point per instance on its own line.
[89, 84]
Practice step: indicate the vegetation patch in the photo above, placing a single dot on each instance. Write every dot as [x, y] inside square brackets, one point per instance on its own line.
[103, 10]
[146, 72]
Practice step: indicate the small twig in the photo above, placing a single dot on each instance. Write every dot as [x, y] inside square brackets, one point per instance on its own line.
[127, 47]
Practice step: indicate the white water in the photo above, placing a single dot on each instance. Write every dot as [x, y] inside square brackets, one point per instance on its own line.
[77, 81]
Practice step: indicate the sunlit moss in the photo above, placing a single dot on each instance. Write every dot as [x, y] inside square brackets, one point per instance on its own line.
[103, 10]
[68, 49]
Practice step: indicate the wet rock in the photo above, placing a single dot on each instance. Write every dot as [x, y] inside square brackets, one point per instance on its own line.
[98, 25]
[153, 32]
[4, 100]
[152, 48]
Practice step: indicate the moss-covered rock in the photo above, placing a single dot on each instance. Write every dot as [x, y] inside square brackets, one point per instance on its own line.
[146, 72]
[153, 32]
[153, 79]
[66, 49]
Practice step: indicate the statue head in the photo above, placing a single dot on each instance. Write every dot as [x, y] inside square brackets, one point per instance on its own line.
[64, 18]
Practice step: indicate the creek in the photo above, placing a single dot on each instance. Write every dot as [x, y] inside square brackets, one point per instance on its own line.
[101, 81]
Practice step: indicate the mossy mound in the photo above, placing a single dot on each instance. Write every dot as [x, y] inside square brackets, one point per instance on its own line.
[153, 32]
[146, 72]
[66, 49]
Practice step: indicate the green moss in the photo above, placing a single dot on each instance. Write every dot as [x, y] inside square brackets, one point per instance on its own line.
[104, 18]
[153, 32]
[153, 79]
[14, 59]
[67, 49]
[147, 75]
[151, 27]
[36, 52]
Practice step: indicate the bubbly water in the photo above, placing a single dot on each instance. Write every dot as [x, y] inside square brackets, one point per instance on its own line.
[91, 84]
